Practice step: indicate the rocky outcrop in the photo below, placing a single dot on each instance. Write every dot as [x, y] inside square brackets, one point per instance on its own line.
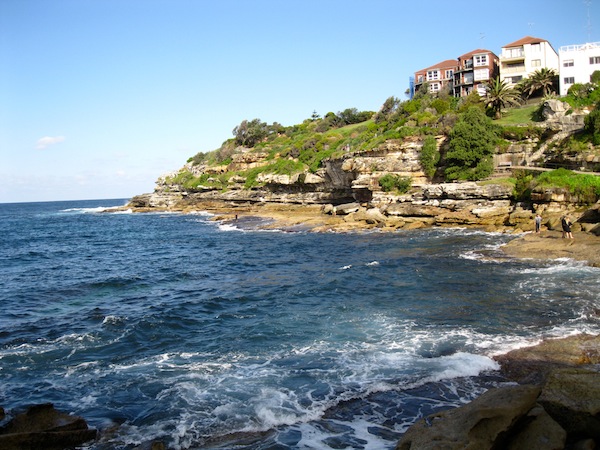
[43, 427]
[560, 409]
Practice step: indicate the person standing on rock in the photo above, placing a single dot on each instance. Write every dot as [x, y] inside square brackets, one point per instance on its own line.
[566, 227]
[538, 223]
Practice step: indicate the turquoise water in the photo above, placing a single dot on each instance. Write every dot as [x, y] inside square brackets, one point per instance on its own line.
[213, 335]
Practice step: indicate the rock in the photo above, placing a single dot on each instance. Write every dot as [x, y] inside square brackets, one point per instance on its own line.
[43, 427]
[533, 364]
[542, 432]
[481, 424]
[347, 208]
[375, 215]
[572, 397]
[140, 201]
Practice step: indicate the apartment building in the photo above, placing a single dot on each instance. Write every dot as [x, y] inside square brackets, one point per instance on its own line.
[522, 58]
[439, 76]
[474, 70]
[577, 64]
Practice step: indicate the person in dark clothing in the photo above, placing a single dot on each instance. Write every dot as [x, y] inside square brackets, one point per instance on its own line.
[566, 227]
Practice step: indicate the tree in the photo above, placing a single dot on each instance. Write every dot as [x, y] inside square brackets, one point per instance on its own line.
[250, 133]
[499, 95]
[544, 80]
[471, 145]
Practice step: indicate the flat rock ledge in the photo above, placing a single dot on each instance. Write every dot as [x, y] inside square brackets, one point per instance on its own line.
[558, 407]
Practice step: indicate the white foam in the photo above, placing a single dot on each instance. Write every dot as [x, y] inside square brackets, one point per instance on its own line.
[349, 266]
[372, 263]
[229, 227]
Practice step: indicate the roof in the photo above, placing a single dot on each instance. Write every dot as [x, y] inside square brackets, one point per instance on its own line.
[524, 41]
[479, 51]
[447, 64]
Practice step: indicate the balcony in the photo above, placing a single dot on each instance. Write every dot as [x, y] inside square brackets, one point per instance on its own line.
[512, 55]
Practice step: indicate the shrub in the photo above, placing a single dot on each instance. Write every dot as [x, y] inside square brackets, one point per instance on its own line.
[390, 182]
[430, 156]
[523, 185]
[471, 145]
[592, 124]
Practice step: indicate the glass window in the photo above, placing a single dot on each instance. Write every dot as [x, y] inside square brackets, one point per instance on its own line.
[569, 80]
[536, 62]
[536, 48]
[595, 60]
[434, 87]
[481, 74]
[449, 73]
[433, 75]
[481, 60]
[568, 63]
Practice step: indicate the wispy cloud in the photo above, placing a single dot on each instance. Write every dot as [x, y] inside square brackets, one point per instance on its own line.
[47, 141]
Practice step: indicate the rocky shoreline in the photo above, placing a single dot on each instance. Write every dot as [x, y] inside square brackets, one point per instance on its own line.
[354, 217]
[554, 403]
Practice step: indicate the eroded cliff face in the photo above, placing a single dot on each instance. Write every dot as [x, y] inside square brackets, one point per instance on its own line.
[349, 185]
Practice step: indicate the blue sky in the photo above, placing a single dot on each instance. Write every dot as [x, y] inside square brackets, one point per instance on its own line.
[98, 98]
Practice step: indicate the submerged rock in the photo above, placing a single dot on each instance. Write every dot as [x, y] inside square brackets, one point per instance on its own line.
[43, 427]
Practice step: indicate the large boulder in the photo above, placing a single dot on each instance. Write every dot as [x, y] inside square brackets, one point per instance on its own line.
[42, 427]
[484, 423]
[572, 397]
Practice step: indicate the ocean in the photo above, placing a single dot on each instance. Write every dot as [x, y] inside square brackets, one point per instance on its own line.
[173, 327]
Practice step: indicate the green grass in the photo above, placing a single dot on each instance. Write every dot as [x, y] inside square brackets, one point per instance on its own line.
[515, 116]
[587, 187]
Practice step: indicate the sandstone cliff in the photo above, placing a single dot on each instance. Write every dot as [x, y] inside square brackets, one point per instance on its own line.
[349, 185]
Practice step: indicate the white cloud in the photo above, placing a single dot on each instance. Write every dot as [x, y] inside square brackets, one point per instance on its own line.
[48, 140]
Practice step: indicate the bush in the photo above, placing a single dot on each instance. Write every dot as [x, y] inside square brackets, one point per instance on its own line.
[390, 182]
[471, 145]
[523, 186]
[592, 124]
[430, 156]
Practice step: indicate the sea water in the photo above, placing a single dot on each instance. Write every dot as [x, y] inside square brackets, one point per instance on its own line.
[221, 335]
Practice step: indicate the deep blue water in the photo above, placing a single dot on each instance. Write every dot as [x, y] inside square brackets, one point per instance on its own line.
[207, 335]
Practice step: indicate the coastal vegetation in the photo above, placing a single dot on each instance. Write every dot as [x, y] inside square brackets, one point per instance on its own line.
[458, 138]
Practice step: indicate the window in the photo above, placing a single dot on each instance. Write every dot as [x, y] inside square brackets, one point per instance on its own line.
[420, 79]
[481, 74]
[536, 62]
[449, 73]
[569, 80]
[434, 87]
[516, 79]
[433, 75]
[568, 63]
[480, 60]
[536, 48]
[595, 60]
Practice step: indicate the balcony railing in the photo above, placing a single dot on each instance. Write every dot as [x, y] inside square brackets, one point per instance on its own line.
[513, 54]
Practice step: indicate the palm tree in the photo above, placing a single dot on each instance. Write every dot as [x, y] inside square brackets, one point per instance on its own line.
[544, 80]
[498, 95]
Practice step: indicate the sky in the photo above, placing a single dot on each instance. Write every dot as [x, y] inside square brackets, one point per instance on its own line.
[98, 98]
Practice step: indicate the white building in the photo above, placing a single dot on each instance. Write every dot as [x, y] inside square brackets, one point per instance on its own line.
[520, 59]
[577, 63]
